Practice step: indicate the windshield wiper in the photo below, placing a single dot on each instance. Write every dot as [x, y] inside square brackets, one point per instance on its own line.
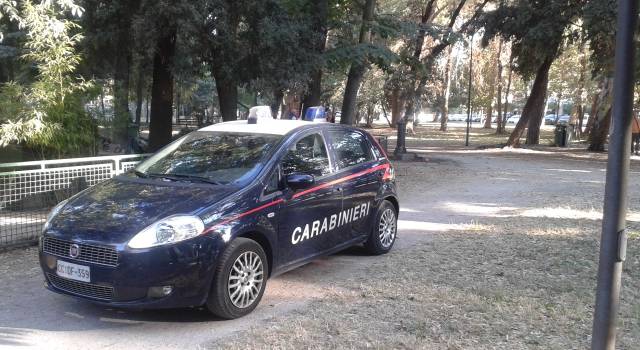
[178, 177]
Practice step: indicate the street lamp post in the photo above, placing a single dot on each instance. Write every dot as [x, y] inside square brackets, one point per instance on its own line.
[613, 240]
[466, 143]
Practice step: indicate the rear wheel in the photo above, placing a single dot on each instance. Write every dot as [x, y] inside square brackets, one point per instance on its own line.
[240, 280]
[383, 232]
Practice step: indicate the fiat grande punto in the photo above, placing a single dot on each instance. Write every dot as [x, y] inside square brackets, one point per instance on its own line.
[208, 218]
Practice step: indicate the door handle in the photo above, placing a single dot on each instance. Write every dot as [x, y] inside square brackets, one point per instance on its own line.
[337, 189]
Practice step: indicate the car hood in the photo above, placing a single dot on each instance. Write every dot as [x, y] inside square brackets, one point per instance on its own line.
[114, 211]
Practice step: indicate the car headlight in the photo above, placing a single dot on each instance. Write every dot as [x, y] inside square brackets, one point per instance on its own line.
[53, 213]
[169, 230]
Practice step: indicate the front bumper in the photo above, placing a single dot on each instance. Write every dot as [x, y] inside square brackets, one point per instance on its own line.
[187, 267]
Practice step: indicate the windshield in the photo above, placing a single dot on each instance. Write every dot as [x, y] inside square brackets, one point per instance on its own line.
[218, 157]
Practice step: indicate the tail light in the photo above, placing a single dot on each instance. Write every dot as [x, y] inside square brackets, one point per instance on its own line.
[389, 173]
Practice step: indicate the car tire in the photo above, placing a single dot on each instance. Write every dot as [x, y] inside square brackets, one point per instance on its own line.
[384, 230]
[235, 291]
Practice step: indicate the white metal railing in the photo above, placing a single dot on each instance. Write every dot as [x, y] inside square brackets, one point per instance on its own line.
[45, 164]
[29, 189]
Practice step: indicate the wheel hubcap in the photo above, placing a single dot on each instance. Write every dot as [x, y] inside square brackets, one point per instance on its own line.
[245, 279]
[387, 228]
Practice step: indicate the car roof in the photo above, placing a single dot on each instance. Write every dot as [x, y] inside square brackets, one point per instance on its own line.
[262, 126]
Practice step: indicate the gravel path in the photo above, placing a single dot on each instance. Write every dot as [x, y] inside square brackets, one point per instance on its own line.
[495, 250]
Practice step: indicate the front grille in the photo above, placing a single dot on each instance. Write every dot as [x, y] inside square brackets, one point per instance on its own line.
[88, 253]
[84, 289]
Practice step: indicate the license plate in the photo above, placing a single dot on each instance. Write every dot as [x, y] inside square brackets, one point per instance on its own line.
[73, 271]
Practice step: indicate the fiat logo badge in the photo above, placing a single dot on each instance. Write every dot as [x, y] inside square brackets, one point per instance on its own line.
[74, 250]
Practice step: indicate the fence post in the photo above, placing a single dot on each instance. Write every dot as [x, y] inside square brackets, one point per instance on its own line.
[116, 164]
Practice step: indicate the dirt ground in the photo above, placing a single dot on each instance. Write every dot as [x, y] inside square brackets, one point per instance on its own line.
[497, 249]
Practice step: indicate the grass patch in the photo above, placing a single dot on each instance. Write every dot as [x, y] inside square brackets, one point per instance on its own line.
[500, 289]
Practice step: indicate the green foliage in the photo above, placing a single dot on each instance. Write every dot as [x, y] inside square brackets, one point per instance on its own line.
[600, 28]
[537, 29]
[48, 115]
[360, 54]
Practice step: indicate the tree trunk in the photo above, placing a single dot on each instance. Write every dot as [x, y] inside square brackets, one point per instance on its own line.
[601, 117]
[277, 101]
[122, 66]
[533, 109]
[147, 115]
[600, 132]
[499, 126]
[537, 114]
[397, 106]
[349, 102]
[102, 100]
[223, 67]
[369, 115]
[160, 127]
[121, 90]
[147, 103]
[506, 96]
[558, 104]
[447, 90]
[594, 106]
[580, 117]
[227, 88]
[139, 94]
[320, 15]
[357, 70]
[496, 74]
[178, 100]
[579, 97]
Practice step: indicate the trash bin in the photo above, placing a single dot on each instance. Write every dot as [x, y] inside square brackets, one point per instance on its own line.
[562, 135]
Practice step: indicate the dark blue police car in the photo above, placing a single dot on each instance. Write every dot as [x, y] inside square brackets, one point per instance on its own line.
[207, 219]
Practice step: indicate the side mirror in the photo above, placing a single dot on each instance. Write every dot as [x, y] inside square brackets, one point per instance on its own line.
[300, 181]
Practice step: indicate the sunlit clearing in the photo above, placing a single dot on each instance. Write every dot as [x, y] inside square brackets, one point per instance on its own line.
[427, 226]
[545, 212]
[569, 170]
[464, 208]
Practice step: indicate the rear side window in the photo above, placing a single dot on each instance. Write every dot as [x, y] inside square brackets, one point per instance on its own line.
[351, 148]
[307, 156]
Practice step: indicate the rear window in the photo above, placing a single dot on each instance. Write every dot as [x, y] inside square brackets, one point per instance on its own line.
[351, 147]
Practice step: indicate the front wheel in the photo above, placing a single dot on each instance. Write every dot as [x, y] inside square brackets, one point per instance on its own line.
[240, 279]
[383, 232]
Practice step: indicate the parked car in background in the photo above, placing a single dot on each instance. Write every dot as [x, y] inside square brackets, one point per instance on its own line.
[550, 119]
[423, 118]
[457, 117]
[513, 119]
[564, 119]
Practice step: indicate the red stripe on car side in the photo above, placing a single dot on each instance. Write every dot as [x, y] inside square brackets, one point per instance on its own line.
[238, 216]
[310, 190]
